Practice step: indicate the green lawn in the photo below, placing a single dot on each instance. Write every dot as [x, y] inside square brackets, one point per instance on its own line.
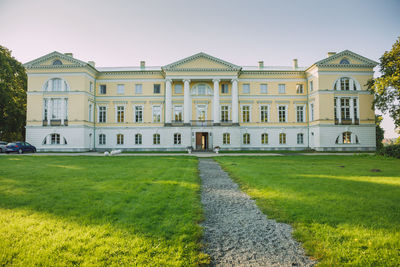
[99, 211]
[342, 212]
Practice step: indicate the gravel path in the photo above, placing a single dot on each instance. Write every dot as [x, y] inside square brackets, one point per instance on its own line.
[236, 232]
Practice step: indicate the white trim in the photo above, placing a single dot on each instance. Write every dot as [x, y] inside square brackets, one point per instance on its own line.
[268, 112]
[134, 113]
[267, 80]
[241, 112]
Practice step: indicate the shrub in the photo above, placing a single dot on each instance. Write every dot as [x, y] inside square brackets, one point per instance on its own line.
[390, 151]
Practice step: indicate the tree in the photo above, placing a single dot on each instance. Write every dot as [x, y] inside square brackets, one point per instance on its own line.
[379, 132]
[386, 88]
[13, 81]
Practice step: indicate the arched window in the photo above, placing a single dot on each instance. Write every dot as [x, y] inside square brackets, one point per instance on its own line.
[344, 61]
[226, 138]
[300, 138]
[346, 84]
[177, 139]
[120, 139]
[282, 138]
[57, 62]
[201, 89]
[56, 84]
[138, 139]
[102, 139]
[347, 138]
[54, 139]
[156, 139]
[264, 139]
[246, 139]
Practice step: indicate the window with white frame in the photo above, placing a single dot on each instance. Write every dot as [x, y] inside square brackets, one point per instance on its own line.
[246, 88]
[282, 88]
[138, 88]
[91, 86]
[45, 108]
[102, 139]
[224, 113]
[346, 84]
[345, 108]
[264, 113]
[300, 138]
[56, 86]
[346, 137]
[201, 89]
[102, 114]
[263, 88]
[56, 112]
[299, 89]
[55, 139]
[138, 139]
[120, 139]
[156, 114]
[264, 139]
[226, 138]
[120, 89]
[355, 107]
[178, 88]
[300, 113]
[312, 112]
[282, 138]
[156, 139]
[245, 113]
[157, 88]
[246, 139]
[177, 139]
[90, 113]
[138, 114]
[120, 114]
[102, 89]
[311, 86]
[178, 113]
[224, 88]
[282, 113]
[53, 107]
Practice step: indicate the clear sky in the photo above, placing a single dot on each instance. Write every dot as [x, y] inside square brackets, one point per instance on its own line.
[123, 32]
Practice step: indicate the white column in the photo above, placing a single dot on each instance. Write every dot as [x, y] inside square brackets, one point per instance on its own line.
[216, 101]
[168, 100]
[187, 105]
[338, 113]
[235, 101]
[63, 110]
[352, 110]
[49, 110]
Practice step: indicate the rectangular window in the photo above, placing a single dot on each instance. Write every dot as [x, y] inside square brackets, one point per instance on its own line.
[264, 88]
[139, 114]
[102, 114]
[300, 138]
[355, 108]
[120, 139]
[103, 89]
[224, 113]
[282, 113]
[56, 84]
[45, 109]
[282, 88]
[335, 108]
[299, 89]
[178, 112]
[246, 88]
[246, 139]
[311, 112]
[91, 86]
[156, 113]
[264, 139]
[345, 84]
[56, 112]
[55, 139]
[345, 108]
[224, 88]
[138, 139]
[157, 89]
[226, 139]
[102, 139]
[156, 139]
[177, 139]
[120, 89]
[120, 114]
[138, 89]
[300, 113]
[282, 138]
[245, 113]
[90, 113]
[264, 110]
[311, 86]
[201, 89]
[178, 88]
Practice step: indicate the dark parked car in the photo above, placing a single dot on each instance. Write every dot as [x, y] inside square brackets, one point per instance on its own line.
[20, 147]
[3, 146]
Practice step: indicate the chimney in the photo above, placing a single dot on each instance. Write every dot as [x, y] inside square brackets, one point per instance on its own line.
[329, 54]
[142, 64]
[92, 63]
[260, 64]
[68, 54]
[295, 66]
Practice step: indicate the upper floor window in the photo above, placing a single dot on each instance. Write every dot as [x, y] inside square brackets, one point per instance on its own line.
[56, 84]
[282, 88]
[246, 88]
[225, 113]
[102, 114]
[138, 88]
[156, 113]
[344, 61]
[282, 113]
[300, 113]
[178, 113]
[157, 88]
[264, 113]
[299, 89]
[120, 114]
[102, 89]
[246, 113]
[311, 86]
[120, 89]
[264, 88]
[312, 112]
[91, 86]
[57, 62]
[345, 84]
[224, 88]
[178, 88]
[201, 89]
[90, 113]
[139, 114]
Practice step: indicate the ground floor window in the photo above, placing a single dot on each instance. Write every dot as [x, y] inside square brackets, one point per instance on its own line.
[282, 138]
[102, 139]
[120, 139]
[177, 139]
[346, 137]
[226, 138]
[300, 138]
[55, 139]
[246, 139]
[138, 139]
[156, 139]
[264, 139]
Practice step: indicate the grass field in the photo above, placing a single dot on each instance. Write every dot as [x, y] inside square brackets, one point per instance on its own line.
[344, 213]
[99, 211]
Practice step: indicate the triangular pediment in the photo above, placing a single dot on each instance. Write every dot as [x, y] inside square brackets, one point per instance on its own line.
[346, 58]
[48, 61]
[202, 61]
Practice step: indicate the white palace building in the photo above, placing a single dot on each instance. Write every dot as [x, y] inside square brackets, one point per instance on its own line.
[202, 102]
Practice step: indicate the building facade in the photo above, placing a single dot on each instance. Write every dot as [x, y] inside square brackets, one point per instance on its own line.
[201, 102]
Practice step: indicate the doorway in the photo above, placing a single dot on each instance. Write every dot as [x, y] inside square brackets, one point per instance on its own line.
[201, 141]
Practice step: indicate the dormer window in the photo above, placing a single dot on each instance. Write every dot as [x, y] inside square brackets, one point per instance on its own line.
[57, 62]
[344, 61]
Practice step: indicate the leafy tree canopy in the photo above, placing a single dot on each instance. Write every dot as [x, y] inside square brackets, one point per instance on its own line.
[13, 82]
[387, 87]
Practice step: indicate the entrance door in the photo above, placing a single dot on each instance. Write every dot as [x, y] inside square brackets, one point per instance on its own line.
[201, 141]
